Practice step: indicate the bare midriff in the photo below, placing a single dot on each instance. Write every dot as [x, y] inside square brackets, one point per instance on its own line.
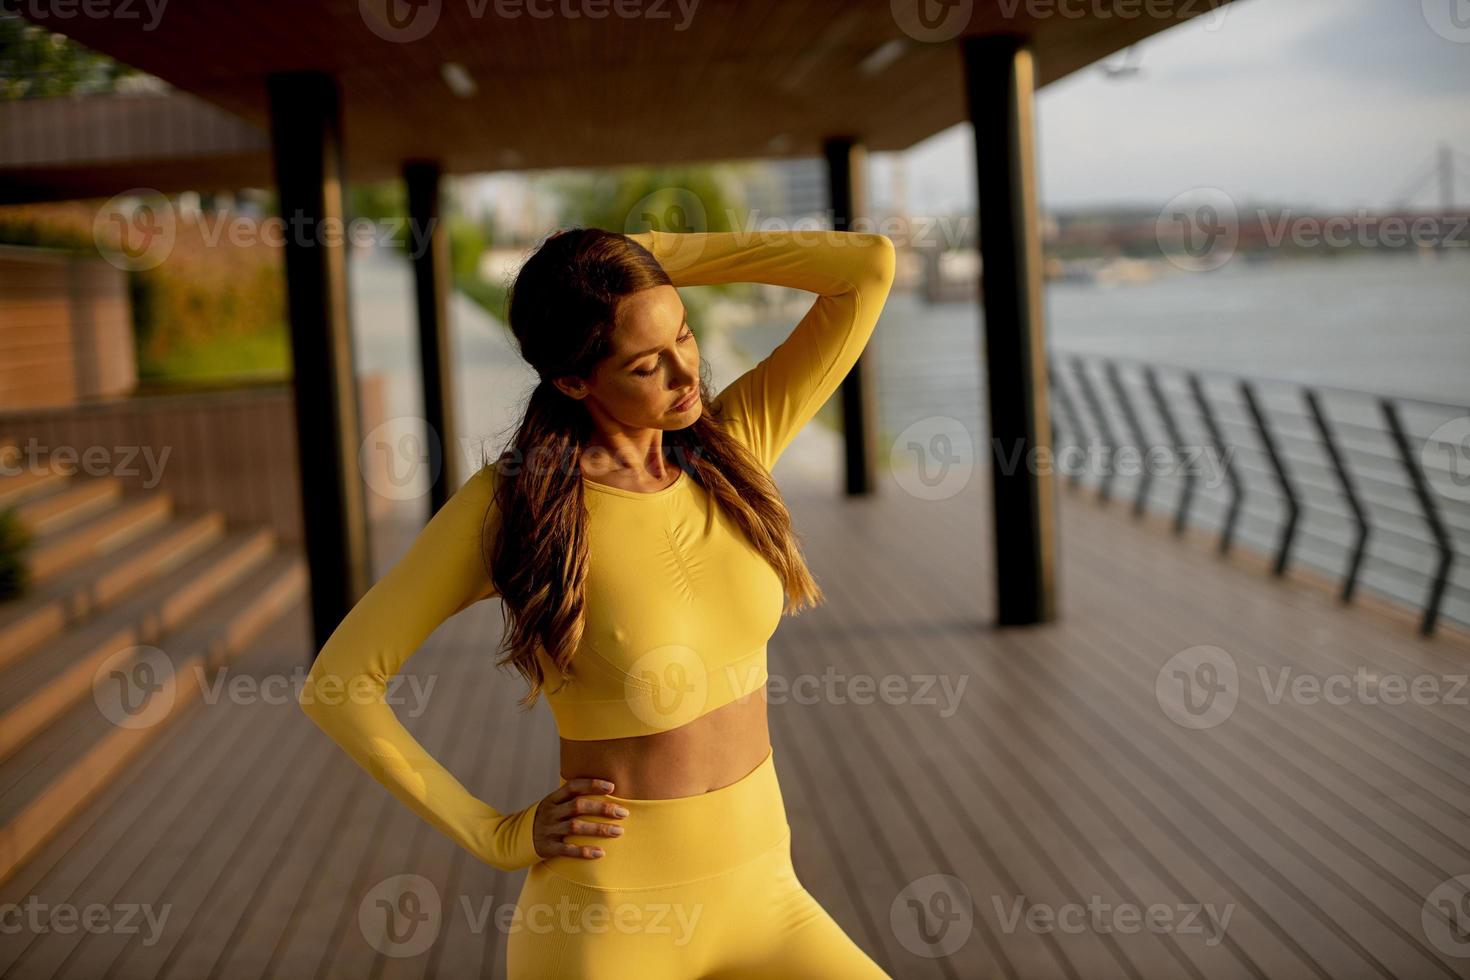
[713, 750]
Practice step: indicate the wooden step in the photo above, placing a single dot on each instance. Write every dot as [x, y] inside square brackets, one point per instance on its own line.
[68, 503]
[65, 601]
[81, 751]
[27, 483]
[41, 686]
[98, 535]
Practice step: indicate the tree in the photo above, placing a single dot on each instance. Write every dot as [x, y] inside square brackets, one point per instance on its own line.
[36, 63]
[680, 198]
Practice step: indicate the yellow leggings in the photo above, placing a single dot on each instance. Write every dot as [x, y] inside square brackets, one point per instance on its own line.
[697, 886]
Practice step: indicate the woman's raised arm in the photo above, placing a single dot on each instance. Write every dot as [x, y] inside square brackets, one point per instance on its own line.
[851, 272]
[441, 574]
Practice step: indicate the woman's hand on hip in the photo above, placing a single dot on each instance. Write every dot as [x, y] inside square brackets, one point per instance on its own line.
[561, 814]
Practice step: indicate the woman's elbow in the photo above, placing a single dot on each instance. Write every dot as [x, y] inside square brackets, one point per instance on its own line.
[887, 258]
[320, 689]
[880, 259]
[306, 697]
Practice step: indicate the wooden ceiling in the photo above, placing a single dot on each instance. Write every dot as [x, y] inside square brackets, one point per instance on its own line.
[727, 80]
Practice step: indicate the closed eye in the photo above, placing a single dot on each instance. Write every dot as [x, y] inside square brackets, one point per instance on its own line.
[644, 374]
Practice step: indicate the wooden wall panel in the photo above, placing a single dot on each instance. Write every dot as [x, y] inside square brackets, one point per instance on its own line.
[66, 330]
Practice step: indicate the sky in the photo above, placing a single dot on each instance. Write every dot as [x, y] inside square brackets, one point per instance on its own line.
[1332, 104]
[1338, 103]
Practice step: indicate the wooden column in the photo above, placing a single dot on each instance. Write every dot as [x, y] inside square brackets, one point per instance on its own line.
[306, 146]
[846, 184]
[428, 244]
[1000, 90]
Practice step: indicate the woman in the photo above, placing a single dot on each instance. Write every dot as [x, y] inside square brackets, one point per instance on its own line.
[643, 556]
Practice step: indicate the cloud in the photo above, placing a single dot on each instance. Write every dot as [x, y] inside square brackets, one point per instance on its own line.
[1332, 103]
[1385, 44]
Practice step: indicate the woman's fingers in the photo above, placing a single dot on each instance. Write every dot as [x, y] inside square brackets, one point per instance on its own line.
[582, 784]
[584, 804]
[562, 818]
[589, 828]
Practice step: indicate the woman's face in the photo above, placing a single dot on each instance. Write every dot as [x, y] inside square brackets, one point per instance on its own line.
[653, 366]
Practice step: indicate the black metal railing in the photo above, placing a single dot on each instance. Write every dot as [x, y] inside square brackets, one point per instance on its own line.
[1372, 489]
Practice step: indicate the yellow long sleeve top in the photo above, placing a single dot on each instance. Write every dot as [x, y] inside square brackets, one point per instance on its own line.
[679, 605]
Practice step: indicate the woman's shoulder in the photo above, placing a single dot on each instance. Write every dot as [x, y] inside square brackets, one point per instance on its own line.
[480, 486]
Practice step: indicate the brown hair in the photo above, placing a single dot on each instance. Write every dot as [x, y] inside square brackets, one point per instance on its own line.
[562, 309]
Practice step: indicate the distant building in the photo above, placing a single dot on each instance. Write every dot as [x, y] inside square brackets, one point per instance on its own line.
[788, 189]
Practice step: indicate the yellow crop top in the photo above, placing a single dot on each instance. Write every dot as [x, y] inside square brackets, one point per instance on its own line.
[679, 605]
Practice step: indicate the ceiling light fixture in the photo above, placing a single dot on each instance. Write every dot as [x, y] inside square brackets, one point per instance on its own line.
[458, 79]
[882, 56]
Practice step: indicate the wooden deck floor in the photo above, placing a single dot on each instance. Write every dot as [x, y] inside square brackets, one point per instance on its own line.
[1054, 784]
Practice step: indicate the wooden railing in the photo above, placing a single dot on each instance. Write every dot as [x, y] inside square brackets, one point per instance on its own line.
[232, 450]
[1369, 488]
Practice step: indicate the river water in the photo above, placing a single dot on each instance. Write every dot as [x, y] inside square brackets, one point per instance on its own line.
[1394, 325]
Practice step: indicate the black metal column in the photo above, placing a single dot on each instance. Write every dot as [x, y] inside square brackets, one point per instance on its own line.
[306, 145]
[1000, 90]
[428, 244]
[847, 191]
